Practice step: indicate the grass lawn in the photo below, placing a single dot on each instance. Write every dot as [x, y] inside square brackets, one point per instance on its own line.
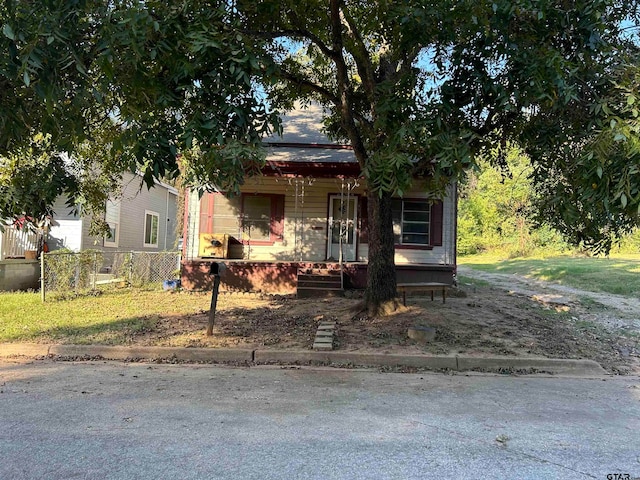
[112, 317]
[616, 274]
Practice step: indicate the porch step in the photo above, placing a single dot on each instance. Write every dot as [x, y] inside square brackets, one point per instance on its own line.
[313, 292]
[319, 282]
[319, 271]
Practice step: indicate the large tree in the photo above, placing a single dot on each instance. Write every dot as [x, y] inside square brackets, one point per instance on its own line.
[418, 88]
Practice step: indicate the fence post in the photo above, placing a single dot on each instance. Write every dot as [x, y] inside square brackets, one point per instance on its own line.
[95, 270]
[131, 268]
[76, 276]
[42, 280]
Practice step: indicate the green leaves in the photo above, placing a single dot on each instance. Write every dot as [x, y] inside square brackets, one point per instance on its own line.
[140, 82]
[7, 31]
[420, 90]
[31, 180]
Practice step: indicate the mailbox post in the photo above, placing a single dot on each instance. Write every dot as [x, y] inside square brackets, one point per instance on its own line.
[215, 270]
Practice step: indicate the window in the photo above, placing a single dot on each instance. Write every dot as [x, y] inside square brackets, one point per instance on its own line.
[251, 218]
[219, 214]
[262, 218]
[417, 222]
[257, 218]
[112, 217]
[151, 222]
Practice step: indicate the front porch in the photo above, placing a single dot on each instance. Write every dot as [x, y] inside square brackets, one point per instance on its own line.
[281, 277]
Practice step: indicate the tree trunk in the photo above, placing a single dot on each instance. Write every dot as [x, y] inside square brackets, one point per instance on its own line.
[380, 296]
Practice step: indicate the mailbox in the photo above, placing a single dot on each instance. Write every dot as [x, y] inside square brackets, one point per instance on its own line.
[216, 268]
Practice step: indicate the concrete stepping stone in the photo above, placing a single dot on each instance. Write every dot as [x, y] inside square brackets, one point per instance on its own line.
[324, 336]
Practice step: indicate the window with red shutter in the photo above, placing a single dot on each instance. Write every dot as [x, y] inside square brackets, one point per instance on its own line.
[417, 222]
[436, 224]
[262, 218]
[277, 217]
[206, 213]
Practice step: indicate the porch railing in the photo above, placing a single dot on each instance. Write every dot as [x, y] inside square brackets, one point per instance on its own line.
[14, 243]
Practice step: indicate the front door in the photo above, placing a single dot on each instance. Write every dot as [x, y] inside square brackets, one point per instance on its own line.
[343, 218]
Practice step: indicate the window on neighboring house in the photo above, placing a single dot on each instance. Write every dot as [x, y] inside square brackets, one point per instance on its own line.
[262, 218]
[151, 222]
[417, 223]
[112, 217]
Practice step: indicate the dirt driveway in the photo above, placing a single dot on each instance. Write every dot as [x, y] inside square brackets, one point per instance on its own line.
[509, 316]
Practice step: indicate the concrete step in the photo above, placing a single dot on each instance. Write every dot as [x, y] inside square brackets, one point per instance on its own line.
[311, 292]
[332, 285]
[319, 271]
[325, 336]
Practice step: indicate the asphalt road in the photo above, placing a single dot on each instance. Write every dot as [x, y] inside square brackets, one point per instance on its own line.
[108, 420]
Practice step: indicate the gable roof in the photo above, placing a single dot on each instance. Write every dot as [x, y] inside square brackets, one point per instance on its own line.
[304, 148]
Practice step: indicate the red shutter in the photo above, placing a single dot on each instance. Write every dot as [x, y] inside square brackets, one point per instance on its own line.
[363, 230]
[206, 213]
[436, 224]
[277, 217]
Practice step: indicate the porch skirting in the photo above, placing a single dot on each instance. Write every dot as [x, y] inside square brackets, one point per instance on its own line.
[282, 277]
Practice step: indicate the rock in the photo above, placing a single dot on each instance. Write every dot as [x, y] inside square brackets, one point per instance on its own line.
[421, 333]
[457, 293]
[624, 352]
[622, 370]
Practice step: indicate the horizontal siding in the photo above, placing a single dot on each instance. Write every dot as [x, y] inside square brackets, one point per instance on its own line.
[305, 226]
[134, 201]
[71, 231]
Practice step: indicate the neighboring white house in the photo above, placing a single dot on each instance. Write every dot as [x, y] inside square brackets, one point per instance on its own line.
[141, 219]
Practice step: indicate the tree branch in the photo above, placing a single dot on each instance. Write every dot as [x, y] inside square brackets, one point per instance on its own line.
[294, 32]
[304, 83]
[361, 56]
[344, 104]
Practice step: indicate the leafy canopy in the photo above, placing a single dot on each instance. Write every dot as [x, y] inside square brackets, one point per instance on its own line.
[125, 86]
[419, 88]
[424, 87]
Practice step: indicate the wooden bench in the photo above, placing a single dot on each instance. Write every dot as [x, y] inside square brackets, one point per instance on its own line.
[403, 288]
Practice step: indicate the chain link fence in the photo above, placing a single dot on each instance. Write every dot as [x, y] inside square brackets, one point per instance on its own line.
[70, 273]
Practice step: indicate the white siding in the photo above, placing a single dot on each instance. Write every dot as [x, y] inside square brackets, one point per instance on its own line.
[305, 226]
[66, 228]
[70, 231]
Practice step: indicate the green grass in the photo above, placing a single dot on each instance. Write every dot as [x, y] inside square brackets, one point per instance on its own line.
[109, 318]
[617, 274]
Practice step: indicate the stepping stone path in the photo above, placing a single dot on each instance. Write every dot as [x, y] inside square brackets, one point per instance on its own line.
[324, 336]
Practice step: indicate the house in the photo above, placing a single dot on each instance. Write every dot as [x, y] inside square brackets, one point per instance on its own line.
[308, 210]
[140, 220]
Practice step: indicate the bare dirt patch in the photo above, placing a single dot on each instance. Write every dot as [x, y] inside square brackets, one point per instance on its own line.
[480, 320]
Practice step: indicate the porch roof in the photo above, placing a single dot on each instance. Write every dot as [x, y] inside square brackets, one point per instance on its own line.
[275, 168]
